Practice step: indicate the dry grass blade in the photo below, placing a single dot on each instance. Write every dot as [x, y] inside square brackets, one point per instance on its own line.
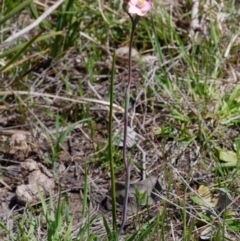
[81, 100]
[10, 39]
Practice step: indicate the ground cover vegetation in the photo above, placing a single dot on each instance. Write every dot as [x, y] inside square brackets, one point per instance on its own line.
[57, 62]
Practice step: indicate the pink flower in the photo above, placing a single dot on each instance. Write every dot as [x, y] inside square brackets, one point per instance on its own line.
[140, 7]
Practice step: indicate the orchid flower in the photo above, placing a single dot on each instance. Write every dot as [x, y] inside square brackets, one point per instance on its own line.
[139, 7]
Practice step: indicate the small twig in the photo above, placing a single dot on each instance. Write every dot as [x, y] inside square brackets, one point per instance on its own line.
[6, 185]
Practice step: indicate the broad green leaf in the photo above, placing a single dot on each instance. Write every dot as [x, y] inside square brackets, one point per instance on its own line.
[227, 156]
[233, 225]
[204, 198]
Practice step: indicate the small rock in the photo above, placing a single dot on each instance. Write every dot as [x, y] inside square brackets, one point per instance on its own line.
[38, 178]
[19, 146]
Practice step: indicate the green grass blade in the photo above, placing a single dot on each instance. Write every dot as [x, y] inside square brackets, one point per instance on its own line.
[3, 227]
[44, 206]
[110, 143]
[59, 214]
[146, 231]
[84, 229]
[20, 52]
[41, 38]
[143, 231]
[15, 10]
[36, 15]
[156, 44]
[107, 228]
[85, 192]
[63, 135]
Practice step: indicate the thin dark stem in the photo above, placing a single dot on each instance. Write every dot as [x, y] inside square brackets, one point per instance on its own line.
[127, 164]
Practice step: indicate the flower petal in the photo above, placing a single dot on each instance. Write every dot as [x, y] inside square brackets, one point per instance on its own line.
[139, 7]
[133, 9]
[141, 13]
[146, 6]
[133, 2]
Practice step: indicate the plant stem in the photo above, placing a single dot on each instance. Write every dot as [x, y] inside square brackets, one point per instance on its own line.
[127, 164]
[110, 143]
